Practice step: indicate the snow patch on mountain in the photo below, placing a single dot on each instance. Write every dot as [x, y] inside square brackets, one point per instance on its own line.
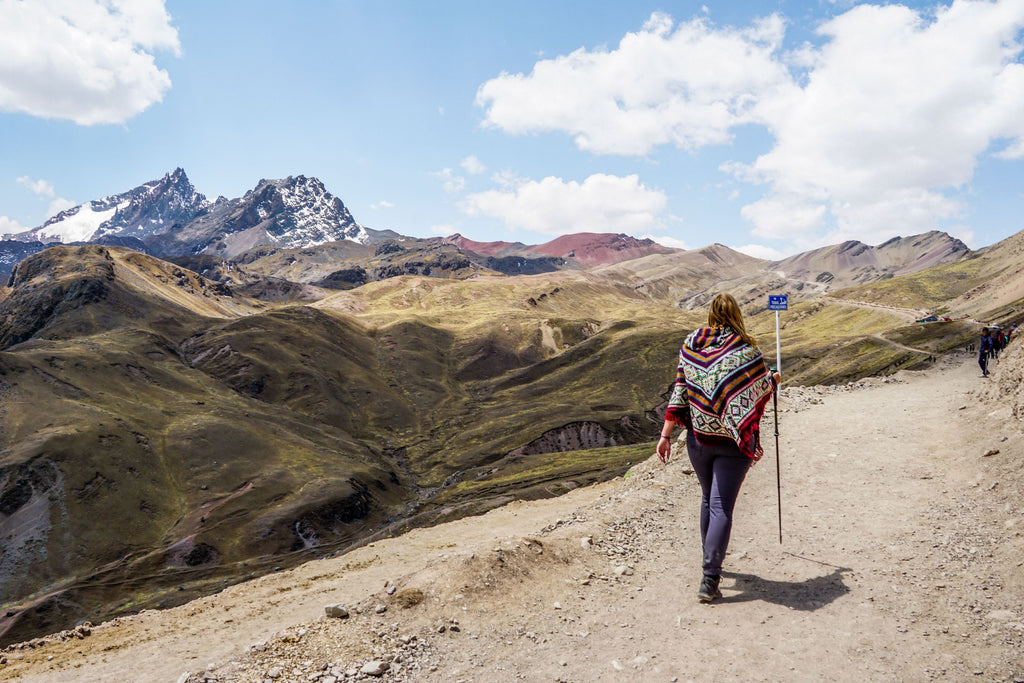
[77, 224]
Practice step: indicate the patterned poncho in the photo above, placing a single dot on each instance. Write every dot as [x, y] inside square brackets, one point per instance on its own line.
[722, 388]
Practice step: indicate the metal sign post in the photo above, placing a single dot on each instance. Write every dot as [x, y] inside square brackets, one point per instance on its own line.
[778, 303]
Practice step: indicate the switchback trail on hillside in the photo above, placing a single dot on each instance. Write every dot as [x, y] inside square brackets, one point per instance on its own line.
[898, 345]
[901, 561]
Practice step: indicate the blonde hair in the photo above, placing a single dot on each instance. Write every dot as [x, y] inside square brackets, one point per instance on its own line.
[725, 312]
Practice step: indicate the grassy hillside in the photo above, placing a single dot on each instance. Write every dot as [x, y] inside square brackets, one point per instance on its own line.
[161, 435]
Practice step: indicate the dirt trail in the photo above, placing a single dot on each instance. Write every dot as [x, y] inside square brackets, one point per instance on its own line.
[898, 345]
[901, 561]
[908, 314]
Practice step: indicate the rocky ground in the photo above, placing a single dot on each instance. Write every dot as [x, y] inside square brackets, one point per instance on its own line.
[902, 559]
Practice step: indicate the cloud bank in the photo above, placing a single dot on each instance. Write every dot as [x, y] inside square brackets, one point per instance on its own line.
[876, 129]
[87, 61]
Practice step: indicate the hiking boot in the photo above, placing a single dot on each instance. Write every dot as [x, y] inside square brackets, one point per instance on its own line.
[709, 589]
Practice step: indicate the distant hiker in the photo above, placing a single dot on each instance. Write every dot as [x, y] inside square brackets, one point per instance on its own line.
[721, 390]
[984, 351]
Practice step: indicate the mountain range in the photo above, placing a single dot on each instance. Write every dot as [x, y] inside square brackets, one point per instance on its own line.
[258, 233]
[259, 396]
[169, 217]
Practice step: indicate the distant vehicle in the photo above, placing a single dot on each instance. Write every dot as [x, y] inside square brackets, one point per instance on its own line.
[929, 319]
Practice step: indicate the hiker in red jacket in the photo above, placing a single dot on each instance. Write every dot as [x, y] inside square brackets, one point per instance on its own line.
[721, 390]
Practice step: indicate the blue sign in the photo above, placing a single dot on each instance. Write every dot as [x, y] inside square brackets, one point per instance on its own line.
[778, 302]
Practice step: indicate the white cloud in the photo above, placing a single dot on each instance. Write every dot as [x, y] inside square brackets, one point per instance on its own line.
[382, 204]
[877, 126]
[1015, 150]
[443, 229]
[506, 179]
[761, 251]
[40, 188]
[666, 241]
[57, 205]
[601, 203]
[453, 184]
[780, 217]
[9, 226]
[896, 110]
[44, 189]
[89, 61]
[472, 165]
[688, 87]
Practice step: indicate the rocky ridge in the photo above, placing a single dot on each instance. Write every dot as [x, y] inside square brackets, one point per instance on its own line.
[296, 212]
[585, 248]
[169, 217]
[150, 209]
[853, 262]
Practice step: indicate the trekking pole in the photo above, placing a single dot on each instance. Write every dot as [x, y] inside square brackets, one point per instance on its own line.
[778, 466]
[778, 303]
[775, 405]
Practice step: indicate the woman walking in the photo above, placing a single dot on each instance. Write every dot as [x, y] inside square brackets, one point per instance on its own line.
[722, 388]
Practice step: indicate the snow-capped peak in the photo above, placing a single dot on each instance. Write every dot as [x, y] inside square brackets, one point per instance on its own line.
[149, 209]
[300, 212]
[170, 217]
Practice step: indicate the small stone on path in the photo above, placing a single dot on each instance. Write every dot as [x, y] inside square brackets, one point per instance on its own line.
[337, 611]
[375, 668]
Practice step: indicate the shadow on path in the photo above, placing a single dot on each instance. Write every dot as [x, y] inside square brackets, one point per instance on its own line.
[807, 595]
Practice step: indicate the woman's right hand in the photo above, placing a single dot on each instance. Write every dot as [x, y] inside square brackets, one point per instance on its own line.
[664, 449]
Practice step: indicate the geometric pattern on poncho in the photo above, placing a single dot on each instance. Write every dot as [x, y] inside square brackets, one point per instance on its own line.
[726, 388]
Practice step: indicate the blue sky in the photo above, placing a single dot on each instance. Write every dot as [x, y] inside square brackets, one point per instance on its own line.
[770, 127]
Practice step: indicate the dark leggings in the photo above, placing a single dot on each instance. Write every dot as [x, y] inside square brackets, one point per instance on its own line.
[983, 362]
[720, 470]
